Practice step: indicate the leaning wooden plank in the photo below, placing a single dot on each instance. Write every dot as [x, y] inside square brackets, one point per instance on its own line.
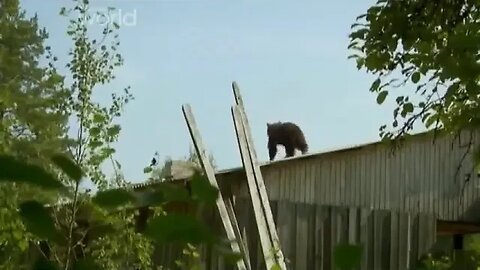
[265, 241]
[236, 230]
[259, 179]
[209, 171]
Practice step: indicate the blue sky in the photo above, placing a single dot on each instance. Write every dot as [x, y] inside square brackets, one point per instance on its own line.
[288, 57]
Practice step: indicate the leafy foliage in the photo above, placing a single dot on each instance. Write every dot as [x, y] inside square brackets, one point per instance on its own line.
[40, 160]
[130, 249]
[178, 227]
[113, 198]
[14, 170]
[432, 46]
[33, 120]
[347, 256]
[165, 228]
[38, 220]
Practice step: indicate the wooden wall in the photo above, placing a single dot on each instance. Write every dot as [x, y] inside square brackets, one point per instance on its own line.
[309, 232]
[422, 176]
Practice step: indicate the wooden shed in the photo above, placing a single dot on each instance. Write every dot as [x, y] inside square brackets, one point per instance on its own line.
[424, 175]
[396, 205]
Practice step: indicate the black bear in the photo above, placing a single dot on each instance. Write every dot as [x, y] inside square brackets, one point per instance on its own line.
[287, 134]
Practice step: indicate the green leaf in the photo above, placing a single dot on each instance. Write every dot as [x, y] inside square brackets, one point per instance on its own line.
[173, 193]
[375, 85]
[347, 256]
[399, 99]
[13, 170]
[360, 62]
[100, 230]
[94, 131]
[38, 220]
[113, 198]
[275, 267]
[114, 130]
[119, 166]
[408, 107]
[361, 17]
[85, 264]
[476, 159]
[43, 264]
[452, 90]
[95, 143]
[382, 96]
[360, 33]
[147, 169]
[227, 254]
[68, 166]
[203, 190]
[416, 77]
[430, 120]
[98, 118]
[178, 228]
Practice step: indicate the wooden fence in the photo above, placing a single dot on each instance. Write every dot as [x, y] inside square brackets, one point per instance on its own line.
[308, 234]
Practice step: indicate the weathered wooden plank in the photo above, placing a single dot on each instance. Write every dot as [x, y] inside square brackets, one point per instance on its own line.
[343, 182]
[275, 242]
[328, 235]
[372, 252]
[309, 245]
[305, 183]
[377, 239]
[352, 225]
[364, 214]
[366, 180]
[301, 230]
[394, 241]
[331, 188]
[408, 237]
[312, 185]
[258, 206]
[414, 236]
[377, 181]
[387, 179]
[358, 184]
[236, 230]
[319, 241]
[286, 215]
[336, 178]
[209, 171]
[342, 225]
[386, 240]
[324, 183]
[311, 236]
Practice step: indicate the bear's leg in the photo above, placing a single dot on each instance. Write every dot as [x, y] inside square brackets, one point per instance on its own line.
[290, 151]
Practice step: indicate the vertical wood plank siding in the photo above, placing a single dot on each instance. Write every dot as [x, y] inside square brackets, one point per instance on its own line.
[387, 203]
[418, 177]
[308, 234]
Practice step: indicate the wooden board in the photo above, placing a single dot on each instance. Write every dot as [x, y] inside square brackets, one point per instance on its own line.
[260, 185]
[209, 171]
[262, 228]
